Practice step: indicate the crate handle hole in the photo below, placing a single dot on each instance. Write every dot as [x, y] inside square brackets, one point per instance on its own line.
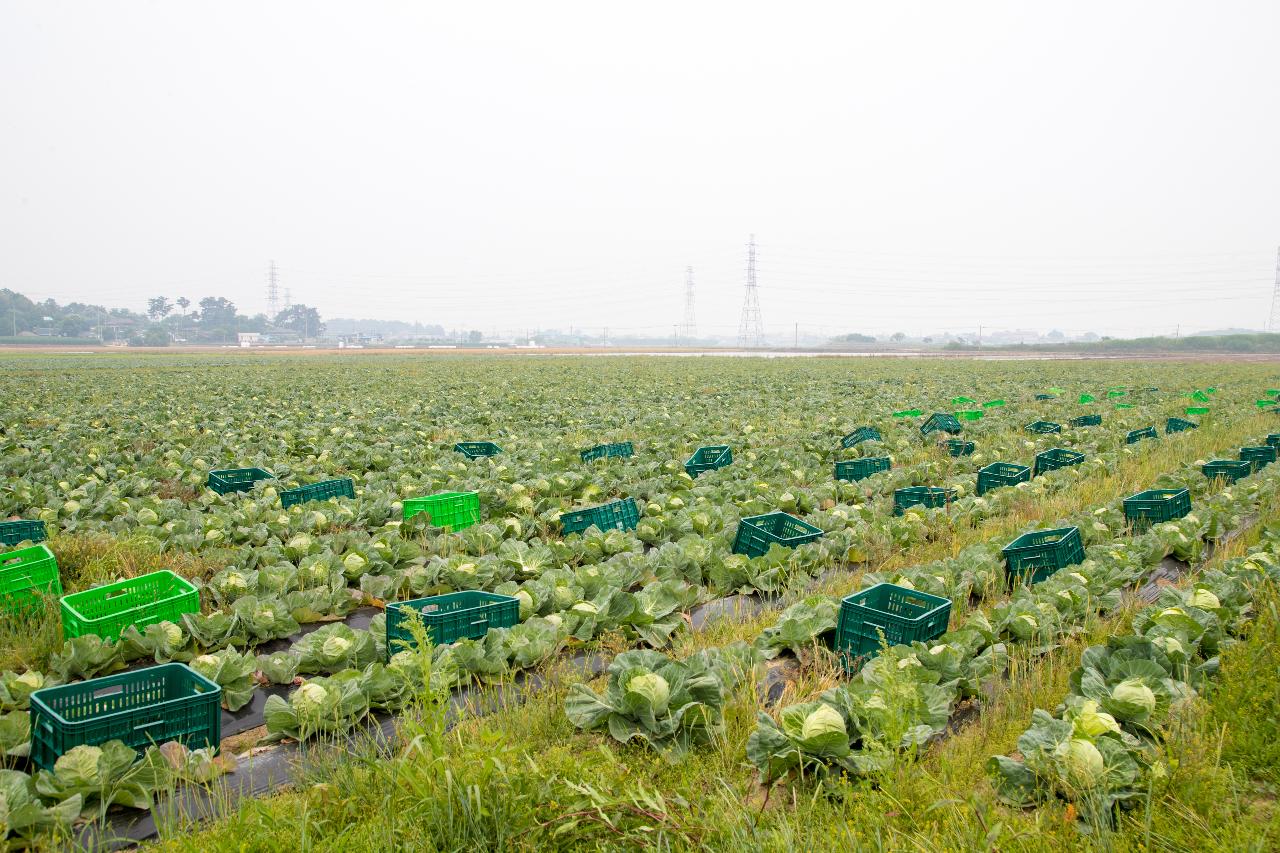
[108, 691]
[117, 593]
[142, 726]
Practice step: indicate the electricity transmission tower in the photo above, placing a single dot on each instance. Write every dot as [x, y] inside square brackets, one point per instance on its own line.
[273, 290]
[689, 330]
[751, 327]
[1273, 322]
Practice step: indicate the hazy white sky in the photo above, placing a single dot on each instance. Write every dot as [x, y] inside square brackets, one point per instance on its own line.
[917, 166]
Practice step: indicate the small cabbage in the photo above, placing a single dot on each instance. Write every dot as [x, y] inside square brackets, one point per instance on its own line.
[31, 679]
[172, 633]
[354, 563]
[825, 720]
[555, 619]
[1169, 645]
[652, 687]
[526, 603]
[309, 699]
[1134, 692]
[1091, 722]
[585, 607]
[147, 516]
[1085, 763]
[335, 647]
[1204, 599]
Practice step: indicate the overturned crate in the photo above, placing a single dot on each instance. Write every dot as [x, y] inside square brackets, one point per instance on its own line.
[941, 422]
[859, 469]
[757, 533]
[1133, 436]
[1037, 555]
[342, 487]
[1179, 425]
[859, 435]
[708, 459]
[887, 615]
[477, 449]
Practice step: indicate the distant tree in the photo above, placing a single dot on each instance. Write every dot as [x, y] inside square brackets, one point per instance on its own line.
[184, 303]
[217, 311]
[928, 340]
[1055, 335]
[302, 319]
[475, 336]
[155, 335]
[898, 337]
[73, 326]
[159, 308]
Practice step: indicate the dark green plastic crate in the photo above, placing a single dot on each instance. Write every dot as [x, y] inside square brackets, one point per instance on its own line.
[859, 435]
[1259, 457]
[145, 707]
[454, 510]
[26, 576]
[619, 450]
[1039, 554]
[930, 497]
[237, 479]
[1230, 469]
[615, 515]
[1055, 458]
[1133, 436]
[859, 469]
[997, 475]
[887, 615]
[13, 532]
[1045, 397]
[322, 491]
[960, 447]
[448, 618]
[1155, 506]
[1179, 425]
[477, 449]
[941, 422]
[1043, 427]
[1086, 421]
[107, 610]
[1273, 440]
[708, 459]
[757, 533]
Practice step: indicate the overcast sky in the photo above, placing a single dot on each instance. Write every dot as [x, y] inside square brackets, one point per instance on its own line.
[1112, 166]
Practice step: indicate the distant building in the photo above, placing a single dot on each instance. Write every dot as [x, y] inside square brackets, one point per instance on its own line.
[249, 339]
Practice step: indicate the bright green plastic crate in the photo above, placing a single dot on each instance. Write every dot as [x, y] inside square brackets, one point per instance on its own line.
[1041, 553]
[708, 459]
[448, 618]
[230, 480]
[997, 475]
[23, 530]
[859, 469]
[107, 610]
[26, 575]
[616, 515]
[145, 707]
[887, 615]
[970, 414]
[1155, 506]
[477, 449]
[322, 491]
[455, 510]
[757, 533]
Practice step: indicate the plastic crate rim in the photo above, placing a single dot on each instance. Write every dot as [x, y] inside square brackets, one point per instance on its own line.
[211, 688]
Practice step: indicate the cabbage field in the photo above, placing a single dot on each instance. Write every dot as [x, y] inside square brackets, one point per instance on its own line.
[697, 675]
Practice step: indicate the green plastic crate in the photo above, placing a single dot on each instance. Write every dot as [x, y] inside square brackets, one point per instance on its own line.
[1039, 554]
[617, 450]
[960, 447]
[321, 491]
[708, 459]
[26, 576]
[1055, 458]
[1273, 439]
[237, 479]
[758, 532]
[107, 610]
[454, 510]
[993, 404]
[616, 515]
[1043, 427]
[145, 707]
[970, 414]
[477, 449]
[1229, 469]
[930, 497]
[859, 469]
[859, 435]
[941, 422]
[961, 401]
[1196, 410]
[1260, 456]
[1155, 506]
[1086, 421]
[23, 530]
[887, 615]
[1179, 425]
[1045, 397]
[1133, 436]
[997, 475]
[448, 618]
[908, 413]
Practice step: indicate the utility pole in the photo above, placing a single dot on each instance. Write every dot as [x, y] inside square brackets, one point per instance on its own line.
[690, 325]
[751, 327]
[796, 341]
[15, 321]
[1273, 323]
[273, 290]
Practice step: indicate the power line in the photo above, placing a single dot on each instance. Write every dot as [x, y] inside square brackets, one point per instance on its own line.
[751, 327]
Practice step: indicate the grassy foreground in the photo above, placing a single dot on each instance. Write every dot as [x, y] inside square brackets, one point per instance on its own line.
[526, 780]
